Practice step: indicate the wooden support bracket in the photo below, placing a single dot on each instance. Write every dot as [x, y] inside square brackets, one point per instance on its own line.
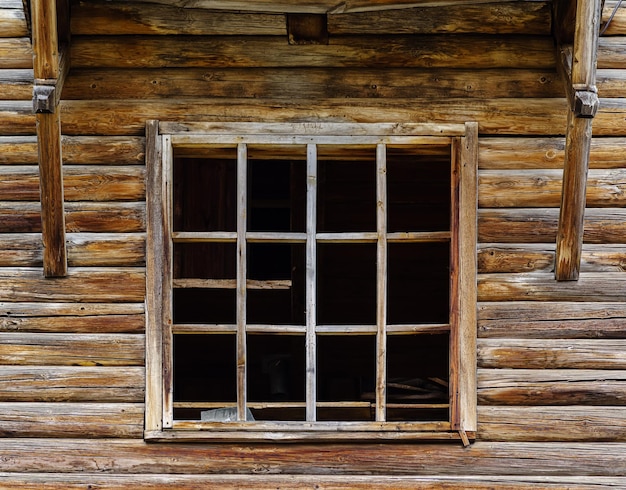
[578, 66]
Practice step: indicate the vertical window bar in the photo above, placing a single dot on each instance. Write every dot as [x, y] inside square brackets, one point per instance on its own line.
[311, 259]
[168, 339]
[381, 282]
[242, 157]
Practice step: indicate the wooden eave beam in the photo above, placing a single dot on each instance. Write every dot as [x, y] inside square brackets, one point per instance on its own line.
[50, 67]
[578, 64]
[312, 7]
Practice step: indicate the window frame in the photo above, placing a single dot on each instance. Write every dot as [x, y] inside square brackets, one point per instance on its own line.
[163, 137]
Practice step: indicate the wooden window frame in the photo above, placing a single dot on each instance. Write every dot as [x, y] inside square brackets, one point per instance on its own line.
[163, 137]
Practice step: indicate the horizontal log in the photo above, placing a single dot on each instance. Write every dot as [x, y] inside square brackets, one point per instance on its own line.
[84, 250]
[611, 83]
[503, 257]
[124, 18]
[551, 387]
[72, 317]
[123, 456]
[17, 118]
[542, 188]
[59, 349]
[89, 285]
[552, 353]
[618, 23]
[294, 83]
[80, 183]
[612, 53]
[16, 84]
[551, 320]
[539, 225]
[64, 420]
[519, 153]
[575, 423]
[16, 52]
[79, 217]
[71, 384]
[48, 481]
[496, 18]
[82, 150]
[542, 286]
[456, 51]
[13, 22]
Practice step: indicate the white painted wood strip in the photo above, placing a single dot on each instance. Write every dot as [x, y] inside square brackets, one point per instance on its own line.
[311, 265]
[207, 328]
[381, 282]
[242, 170]
[300, 425]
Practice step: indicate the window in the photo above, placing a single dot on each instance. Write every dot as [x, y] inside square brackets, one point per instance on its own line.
[311, 281]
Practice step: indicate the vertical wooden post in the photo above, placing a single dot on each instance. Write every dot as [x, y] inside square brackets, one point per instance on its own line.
[242, 213]
[311, 282]
[381, 282]
[46, 93]
[583, 106]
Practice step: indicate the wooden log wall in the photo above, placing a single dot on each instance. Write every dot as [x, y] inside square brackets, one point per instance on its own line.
[551, 362]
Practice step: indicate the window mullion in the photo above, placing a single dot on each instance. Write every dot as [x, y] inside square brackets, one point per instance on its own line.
[311, 259]
[242, 157]
[167, 307]
[381, 281]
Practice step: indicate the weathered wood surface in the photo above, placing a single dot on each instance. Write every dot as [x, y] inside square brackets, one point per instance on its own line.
[539, 225]
[99, 18]
[571, 423]
[519, 153]
[60, 349]
[552, 353]
[456, 51]
[16, 52]
[64, 420]
[72, 317]
[84, 249]
[12, 22]
[551, 387]
[618, 23]
[306, 82]
[81, 150]
[542, 188]
[80, 183]
[48, 481]
[502, 257]
[611, 83]
[71, 384]
[612, 52]
[91, 285]
[124, 456]
[541, 286]
[16, 84]
[24, 217]
[551, 320]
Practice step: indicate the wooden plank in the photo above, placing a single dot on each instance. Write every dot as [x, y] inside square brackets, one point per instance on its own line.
[84, 250]
[45, 39]
[552, 353]
[90, 285]
[311, 284]
[16, 52]
[551, 387]
[611, 52]
[495, 18]
[574, 423]
[80, 183]
[521, 153]
[66, 420]
[618, 22]
[456, 51]
[231, 284]
[539, 225]
[535, 188]
[47, 481]
[540, 286]
[381, 283]
[56, 349]
[610, 83]
[494, 257]
[51, 191]
[13, 22]
[127, 456]
[241, 294]
[124, 18]
[551, 320]
[71, 384]
[16, 84]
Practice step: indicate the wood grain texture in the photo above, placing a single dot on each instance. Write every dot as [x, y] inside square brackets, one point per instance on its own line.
[16, 84]
[13, 22]
[16, 52]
